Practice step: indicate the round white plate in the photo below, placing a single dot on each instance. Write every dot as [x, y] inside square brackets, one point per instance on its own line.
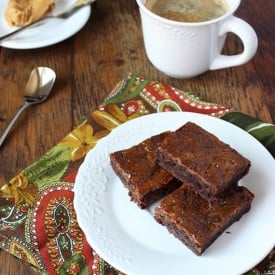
[131, 240]
[51, 32]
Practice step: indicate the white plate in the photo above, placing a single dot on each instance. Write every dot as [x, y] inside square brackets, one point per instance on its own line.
[132, 241]
[51, 32]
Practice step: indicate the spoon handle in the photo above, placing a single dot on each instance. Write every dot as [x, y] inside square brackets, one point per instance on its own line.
[13, 120]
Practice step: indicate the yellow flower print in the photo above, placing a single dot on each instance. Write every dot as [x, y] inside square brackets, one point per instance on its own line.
[112, 117]
[82, 140]
[20, 190]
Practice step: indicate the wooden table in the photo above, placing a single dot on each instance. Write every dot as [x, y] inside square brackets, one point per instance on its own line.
[90, 63]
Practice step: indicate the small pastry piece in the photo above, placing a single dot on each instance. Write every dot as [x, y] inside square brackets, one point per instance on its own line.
[198, 222]
[198, 157]
[140, 173]
[23, 12]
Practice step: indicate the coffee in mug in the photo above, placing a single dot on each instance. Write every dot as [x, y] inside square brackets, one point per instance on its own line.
[186, 49]
[188, 10]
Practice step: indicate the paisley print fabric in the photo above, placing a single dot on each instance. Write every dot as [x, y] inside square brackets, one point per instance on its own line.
[37, 219]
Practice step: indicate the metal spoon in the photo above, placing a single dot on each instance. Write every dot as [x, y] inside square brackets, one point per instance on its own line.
[37, 90]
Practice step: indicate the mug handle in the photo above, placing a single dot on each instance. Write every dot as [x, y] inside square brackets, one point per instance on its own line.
[248, 37]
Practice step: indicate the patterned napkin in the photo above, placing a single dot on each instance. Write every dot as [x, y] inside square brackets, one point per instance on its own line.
[37, 219]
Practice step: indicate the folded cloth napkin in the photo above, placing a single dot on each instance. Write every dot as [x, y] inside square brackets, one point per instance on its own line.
[38, 223]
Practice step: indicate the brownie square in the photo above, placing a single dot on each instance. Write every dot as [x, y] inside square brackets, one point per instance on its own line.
[196, 221]
[140, 173]
[198, 157]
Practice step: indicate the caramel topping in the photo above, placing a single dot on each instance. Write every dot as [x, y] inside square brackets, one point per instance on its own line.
[23, 12]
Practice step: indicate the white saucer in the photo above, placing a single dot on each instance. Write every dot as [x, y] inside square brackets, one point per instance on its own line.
[51, 32]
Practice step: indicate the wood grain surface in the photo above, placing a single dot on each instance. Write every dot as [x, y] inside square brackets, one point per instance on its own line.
[90, 63]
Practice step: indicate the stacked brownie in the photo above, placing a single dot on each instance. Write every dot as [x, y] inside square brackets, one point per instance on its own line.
[198, 222]
[141, 174]
[206, 201]
[198, 157]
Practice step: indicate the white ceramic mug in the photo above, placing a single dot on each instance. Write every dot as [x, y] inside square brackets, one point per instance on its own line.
[184, 50]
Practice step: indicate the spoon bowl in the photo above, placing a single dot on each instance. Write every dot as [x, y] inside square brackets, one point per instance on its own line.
[39, 84]
[37, 90]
